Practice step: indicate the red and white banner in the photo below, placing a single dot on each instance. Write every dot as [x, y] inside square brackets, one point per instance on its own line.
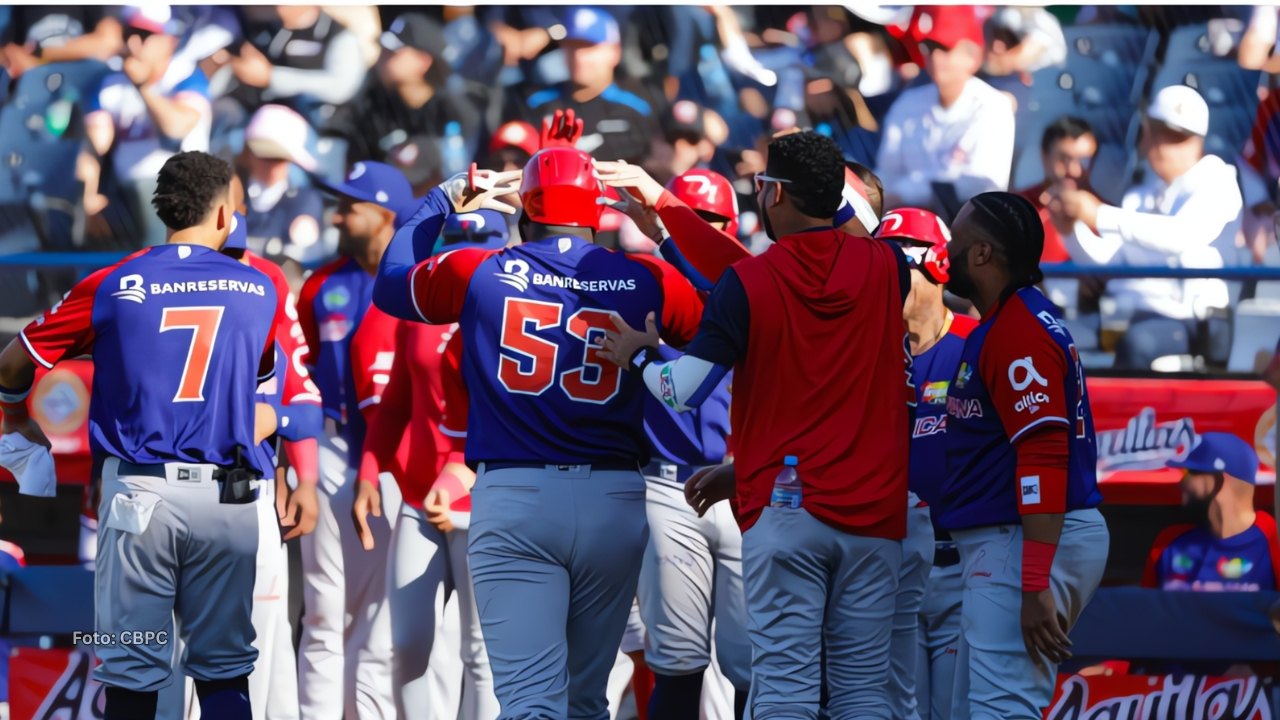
[1140, 697]
[53, 684]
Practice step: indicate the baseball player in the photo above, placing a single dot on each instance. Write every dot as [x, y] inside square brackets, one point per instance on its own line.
[342, 635]
[181, 336]
[558, 528]
[692, 571]
[822, 564]
[1021, 494]
[409, 439]
[273, 685]
[926, 632]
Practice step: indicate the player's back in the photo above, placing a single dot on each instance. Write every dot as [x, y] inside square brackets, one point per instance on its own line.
[179, 335]
[541, 392]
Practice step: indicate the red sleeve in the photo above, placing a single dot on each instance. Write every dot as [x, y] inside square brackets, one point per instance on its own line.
[373, 350]
[681, 304]
[439, 285]
[708, 250]
[267, 365]
[1026, 373]
[389, 424]
[66, 329]
[1267, 525]
[1151, 573]
[307, 315]
[456, 400]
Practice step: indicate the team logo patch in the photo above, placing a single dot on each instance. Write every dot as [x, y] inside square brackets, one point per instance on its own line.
[334, 329]
[930, 425]
[1234, 568]
[667, 387]
[964, 408]
[1022, 372]
[1031, 490]
[1182, 564]
[935, 393]
[336, 298]
[189, 474]
[963, 375]
[131, 289]
[515, 273]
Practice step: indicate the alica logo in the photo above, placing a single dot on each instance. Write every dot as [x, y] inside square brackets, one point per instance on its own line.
[1031, 402]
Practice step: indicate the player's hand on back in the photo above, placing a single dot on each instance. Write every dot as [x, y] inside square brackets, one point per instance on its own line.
[631, 178]
[368, 501]
[1044, 631]
[483, 189]
[301, 511]
[709, 486]
[623, 343]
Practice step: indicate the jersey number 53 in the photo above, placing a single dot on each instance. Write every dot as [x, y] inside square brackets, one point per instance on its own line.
[527, 365]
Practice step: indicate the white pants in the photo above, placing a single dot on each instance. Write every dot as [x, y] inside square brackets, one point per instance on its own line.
[939, 642]
[435, 626]
[344, 663]
[917, 560]
[273, 684]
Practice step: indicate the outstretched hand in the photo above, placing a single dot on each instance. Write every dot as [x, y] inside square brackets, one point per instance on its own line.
[619, 346]
[631, 178]
[483, 189]
[563, 129]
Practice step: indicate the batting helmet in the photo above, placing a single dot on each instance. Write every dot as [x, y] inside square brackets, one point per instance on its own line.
[560, 188]
[709, 192]
[930, 234]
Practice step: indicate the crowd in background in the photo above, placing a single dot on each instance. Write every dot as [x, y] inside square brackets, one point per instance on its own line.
[1061, 103]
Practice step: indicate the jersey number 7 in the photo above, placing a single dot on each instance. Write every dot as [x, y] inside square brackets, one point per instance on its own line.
[595, 381]
[203, 322]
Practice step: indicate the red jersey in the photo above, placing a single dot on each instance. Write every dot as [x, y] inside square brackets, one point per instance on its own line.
[1054, 250]
[373, 352]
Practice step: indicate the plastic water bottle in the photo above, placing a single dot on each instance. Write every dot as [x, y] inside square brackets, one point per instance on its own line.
[786, 489]
[454, 153]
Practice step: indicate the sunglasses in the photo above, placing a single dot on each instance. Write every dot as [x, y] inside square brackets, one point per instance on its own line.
[915, 254]
[761, 179]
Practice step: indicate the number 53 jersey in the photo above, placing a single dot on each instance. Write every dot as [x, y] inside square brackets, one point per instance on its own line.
[181, 336]
[532, 318]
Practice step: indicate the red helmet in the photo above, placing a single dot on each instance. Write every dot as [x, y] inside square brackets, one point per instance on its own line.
[560, 188]
[710, 192]
[921, 226]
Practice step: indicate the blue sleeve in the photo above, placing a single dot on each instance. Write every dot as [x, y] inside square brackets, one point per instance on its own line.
[196, 82]
[299, 422]
[726, 319]
[671, 253]
[392, 288]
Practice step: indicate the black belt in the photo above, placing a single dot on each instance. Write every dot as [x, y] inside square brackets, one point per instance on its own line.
[605, 466]
[671, 472]
[235, 485]
[945, 555]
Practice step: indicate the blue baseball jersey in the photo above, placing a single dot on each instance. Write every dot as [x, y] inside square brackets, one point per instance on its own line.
[331, 305]
[531, 318]
[932, 372]
[1188, 557]
[690, 438]
[1019, 371]
[181, 337]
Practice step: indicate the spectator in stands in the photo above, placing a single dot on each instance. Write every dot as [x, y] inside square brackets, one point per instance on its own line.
[284, 219]
[1229, 546]
[618, 123]
[1187, 214]
[144, 114]
[1067, 149]
[310, 63]
[1023, 40]
[405, 97]
[512, 145]
[951, 139]
[41, 34]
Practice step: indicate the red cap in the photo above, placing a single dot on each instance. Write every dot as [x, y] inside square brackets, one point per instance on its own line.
[947, 25]
[710, 192]
[516, 134]
[920, 226]
[560, 188]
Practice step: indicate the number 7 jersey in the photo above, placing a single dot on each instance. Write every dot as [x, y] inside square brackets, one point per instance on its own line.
[531, 319]
[181, 336]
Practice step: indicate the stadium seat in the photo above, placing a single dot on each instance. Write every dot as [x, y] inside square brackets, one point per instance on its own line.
[1115, 45]
[1232, 96]
[1253, 335]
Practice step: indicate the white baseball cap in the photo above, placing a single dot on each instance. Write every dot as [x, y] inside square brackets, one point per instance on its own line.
[1182, 108]
[276, 132]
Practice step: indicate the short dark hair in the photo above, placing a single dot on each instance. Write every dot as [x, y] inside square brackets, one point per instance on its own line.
[187, 188]
[1013, 223]
[875, 188]
[815, 167]
[1066, 127]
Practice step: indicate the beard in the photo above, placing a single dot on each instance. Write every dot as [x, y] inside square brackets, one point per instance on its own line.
[768, 226]
[960, 283]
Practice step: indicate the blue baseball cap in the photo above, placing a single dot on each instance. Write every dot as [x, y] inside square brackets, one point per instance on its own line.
[482, 229]
[238, 239]
[1218, 452]
[377, 183]
[591, 26]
